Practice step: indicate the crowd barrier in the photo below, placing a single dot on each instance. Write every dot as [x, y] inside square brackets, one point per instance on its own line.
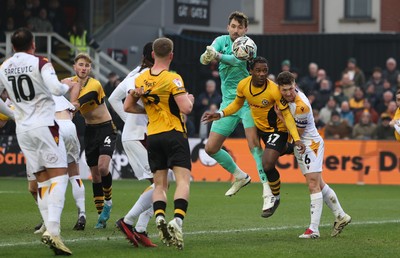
[345, 162]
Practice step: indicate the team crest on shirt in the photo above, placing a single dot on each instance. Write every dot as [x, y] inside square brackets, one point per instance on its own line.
[264, 102]
[50, 157]
[178, 83]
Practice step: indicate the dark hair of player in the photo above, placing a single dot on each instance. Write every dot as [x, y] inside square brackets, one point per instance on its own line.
[285, 78]
[258, 59]
[147, 59]
[240, 17]
[22, 40]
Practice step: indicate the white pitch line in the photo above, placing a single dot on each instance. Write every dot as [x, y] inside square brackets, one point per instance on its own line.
[205, 232]
[12, 192]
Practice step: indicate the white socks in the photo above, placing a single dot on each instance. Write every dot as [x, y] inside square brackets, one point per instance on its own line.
[143, 208]
[42, 196]
[332, 201]
[143, 220]
[55, 201]
[316, 210]
[78, 191]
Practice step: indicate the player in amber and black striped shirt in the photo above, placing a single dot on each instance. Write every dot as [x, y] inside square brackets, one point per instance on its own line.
[100, 135]
[165, 101]
[262, 95]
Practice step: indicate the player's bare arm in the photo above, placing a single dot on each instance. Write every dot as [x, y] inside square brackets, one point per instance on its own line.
[185, 102]
[74, 91]
[299, 131]
[210, 116]
[130, 103]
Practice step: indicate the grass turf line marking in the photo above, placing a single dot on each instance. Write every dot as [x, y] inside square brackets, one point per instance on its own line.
[203, 232]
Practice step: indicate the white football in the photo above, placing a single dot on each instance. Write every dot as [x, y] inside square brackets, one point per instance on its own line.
[244, 48]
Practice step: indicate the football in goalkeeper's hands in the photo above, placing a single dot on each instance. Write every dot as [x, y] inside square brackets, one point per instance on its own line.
[244, 48]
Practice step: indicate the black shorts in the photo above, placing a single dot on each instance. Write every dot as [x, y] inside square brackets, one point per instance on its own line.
[100, 139]
[167, 150]
[274, 140]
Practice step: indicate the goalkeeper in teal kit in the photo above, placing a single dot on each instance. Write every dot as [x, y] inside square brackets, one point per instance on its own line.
[232, 71]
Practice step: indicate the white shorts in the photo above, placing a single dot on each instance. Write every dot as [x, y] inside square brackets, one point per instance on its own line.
[138, 159]
[41, 150]
[71, 141]
[312, 160]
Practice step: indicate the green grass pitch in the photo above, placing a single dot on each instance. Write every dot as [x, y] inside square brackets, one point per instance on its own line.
[215, 226]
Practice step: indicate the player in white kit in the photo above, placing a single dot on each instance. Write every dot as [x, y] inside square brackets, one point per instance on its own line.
[310, 162]
[64, 115]
[30, 82]
[133, 140]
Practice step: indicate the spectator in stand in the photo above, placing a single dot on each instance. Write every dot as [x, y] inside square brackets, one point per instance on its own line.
[338, 94]
[111, 83]
[357, 101]
[398, 82]
[322, 96]
[311, 98]
[337, 128]
[348, 85]
[10, 24]
[79, 37]
[383, 130]
[56, 16]
[41, 23]
[383, 103]
[271, 77]
[35, 7]
[354, 72]
[208, 97]
[321, 75]
[13, 10]
[318, 123]
[28, 4]
[370, 94]
[387, 86]
[391, 73]
[391, 109]
[376, 80]
[308, 83]
[346, 113]
[367, 107]
[326, 112]
[365, 129]
[285, 65]
[295, 72]
[208, 72]
[27, 16]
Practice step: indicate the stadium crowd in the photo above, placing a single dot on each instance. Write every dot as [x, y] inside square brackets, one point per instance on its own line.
[354, 107]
